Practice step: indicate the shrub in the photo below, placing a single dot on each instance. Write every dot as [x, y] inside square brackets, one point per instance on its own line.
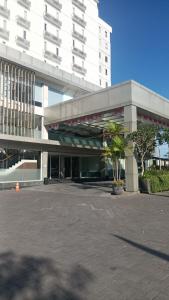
[159, 180]
[117, 183]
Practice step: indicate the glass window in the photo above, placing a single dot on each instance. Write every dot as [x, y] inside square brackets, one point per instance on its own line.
[38, 92]
[25, 14]
[4, 24]
[54, 96]
[5, 3]
[24, 34]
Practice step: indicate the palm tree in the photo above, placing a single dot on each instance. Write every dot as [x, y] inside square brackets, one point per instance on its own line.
[115, 145]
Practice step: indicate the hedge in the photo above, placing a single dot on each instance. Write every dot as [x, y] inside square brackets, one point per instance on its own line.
[159, 180]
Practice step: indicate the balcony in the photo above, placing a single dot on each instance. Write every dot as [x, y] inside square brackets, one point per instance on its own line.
[25, 3]
[79, 52]
[4, 34]
[79, 5]
[79, 69]
[52, 20]
[23, 22]
[4, 12]
[53, 57]
[52, 38]
[55, 4]
[79, 20]
[79, 36]
[22, 42]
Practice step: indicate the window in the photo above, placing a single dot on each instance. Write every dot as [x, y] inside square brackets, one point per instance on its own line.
[100, 69]
[25, 14]
[106, 59]
[46, 8]
[73, 27]
[45, 26]
[4, 24]
[106, 72]
[57, 51]
[100, 82]
[100, 55]
[73, 59]
[24, 34]
[106, 34]
[57, 32]
[5, 3]
[73, 43]
[45, 46]
[106, 84]
[100, 29]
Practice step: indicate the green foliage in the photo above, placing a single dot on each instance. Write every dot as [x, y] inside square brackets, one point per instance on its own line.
[159, 180]
[115, 145]
[145, 140]
[117, 183]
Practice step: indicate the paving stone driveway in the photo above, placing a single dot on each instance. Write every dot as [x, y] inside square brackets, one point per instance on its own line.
[76, 242]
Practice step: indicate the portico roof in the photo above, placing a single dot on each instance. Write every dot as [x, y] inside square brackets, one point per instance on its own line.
[109, 103]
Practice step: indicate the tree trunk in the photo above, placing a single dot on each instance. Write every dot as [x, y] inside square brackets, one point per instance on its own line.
[142, 166]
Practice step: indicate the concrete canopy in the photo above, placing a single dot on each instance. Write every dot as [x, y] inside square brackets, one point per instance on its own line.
[130, 101]
[117, 96]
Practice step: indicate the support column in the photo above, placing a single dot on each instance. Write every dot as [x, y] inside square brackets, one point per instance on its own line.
[131, 169]
[44, 164]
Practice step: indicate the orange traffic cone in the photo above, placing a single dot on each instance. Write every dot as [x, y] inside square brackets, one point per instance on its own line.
[17, 187]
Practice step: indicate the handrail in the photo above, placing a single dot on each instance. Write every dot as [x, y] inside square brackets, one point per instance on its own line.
[1, 160]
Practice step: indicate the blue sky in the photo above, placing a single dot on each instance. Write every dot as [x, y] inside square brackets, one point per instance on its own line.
[140, 41]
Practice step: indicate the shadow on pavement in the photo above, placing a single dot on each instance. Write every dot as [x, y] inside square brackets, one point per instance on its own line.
[32, 278]
[146, 249]
[93, 186]
[160, 194]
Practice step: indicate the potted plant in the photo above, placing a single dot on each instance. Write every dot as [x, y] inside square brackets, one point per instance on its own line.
[117, 187]
[114, 150]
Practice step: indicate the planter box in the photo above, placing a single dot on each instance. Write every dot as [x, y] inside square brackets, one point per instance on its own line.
[117, 190]
[144, 186]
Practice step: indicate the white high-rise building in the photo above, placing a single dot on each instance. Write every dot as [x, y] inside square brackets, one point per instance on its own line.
[51, 51]
[67, 34]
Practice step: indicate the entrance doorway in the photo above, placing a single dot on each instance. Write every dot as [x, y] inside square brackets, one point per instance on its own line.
[63, 166]
[67, 167]
[71, 167]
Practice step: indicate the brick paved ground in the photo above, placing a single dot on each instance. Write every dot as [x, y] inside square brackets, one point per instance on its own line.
[76, 242]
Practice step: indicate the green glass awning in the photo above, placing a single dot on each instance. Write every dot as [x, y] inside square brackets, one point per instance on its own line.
[76, 140]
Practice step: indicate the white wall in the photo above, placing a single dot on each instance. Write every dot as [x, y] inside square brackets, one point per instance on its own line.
[35, 35]
[104, 52]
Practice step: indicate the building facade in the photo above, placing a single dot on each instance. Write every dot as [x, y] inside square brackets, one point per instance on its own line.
[50, 52]
[55, 72]
[63, 33]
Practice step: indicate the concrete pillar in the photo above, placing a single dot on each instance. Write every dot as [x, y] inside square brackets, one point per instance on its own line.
[131, 169]
[44, 164]
[45, 104]
[44, 155]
